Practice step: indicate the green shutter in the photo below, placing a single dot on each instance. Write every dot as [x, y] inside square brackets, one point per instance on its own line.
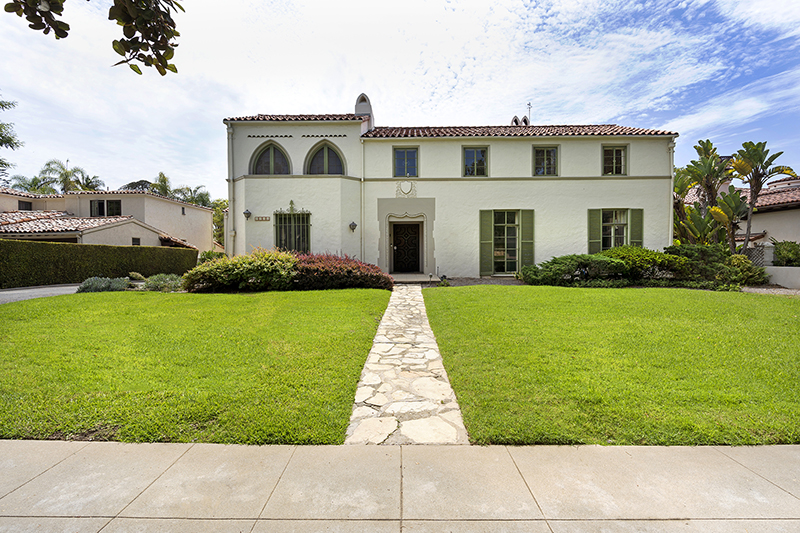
[526, 241]
[486, 243]
[595, 230]
[637, 227]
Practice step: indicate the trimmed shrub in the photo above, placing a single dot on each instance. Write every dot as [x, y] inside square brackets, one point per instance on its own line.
[103, 285]
[261, 270]
[163, 283]
[136, 276]
[28, 263]
[787, 253]
[703, 262]
[327, 271]
[570, 269]
[642, 263]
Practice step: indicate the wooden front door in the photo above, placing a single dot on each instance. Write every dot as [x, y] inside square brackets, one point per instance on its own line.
[406, 244]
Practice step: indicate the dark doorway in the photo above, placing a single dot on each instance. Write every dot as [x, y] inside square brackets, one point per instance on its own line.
[405, 242]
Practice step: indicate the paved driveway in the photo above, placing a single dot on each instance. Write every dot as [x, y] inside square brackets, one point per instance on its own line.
[26, 293]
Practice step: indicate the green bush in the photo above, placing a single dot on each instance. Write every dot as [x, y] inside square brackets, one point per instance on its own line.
[703, 262]
[163, 283]
[97, 284]
[642, 263]
[136, 276]
[741, 271]
[787, 253]
[29, 263]
[209, 255]
[570, 269]
[261, 270]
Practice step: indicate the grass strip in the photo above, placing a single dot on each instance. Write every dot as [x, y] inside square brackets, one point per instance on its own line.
[552, 365]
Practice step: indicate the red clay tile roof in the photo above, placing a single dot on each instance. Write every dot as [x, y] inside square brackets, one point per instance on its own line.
[512, 131]
[25, 194]
[298, 118]
[768, 199]
[175, 242]
[51, 222]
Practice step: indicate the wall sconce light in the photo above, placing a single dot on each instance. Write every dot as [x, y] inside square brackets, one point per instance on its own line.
[353, 227]
[247, 213]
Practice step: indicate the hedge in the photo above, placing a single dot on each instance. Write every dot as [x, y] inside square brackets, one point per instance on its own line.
[30, 263]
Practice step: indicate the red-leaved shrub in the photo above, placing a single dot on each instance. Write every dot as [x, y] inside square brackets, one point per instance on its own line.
[328, 271]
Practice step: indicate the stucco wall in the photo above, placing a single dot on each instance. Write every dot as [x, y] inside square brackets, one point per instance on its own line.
[780, 225]
[187, 222]
[332, 201]
[560, 214]
[121, 235]
[10, 202]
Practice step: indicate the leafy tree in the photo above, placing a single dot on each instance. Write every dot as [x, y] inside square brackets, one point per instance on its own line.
[709, 171]
[681, 186]
[219, 207]
[8, 139]
[148, 30]
[141, 185]
[193, 195]
[60, 173]
[35, 184]
[754, 166]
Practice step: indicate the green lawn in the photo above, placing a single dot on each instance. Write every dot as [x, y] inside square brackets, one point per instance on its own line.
[550, 365]
[144, 367]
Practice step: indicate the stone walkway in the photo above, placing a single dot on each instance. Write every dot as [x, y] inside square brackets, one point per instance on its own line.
[404, 396]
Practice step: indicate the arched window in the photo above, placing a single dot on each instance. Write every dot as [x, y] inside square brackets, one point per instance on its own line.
[325, 161]
[271, 161]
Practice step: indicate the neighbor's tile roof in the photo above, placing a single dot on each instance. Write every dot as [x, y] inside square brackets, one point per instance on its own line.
[25, 194]
[299, 118]
[51, 222]
[769, 197]
[512, 131]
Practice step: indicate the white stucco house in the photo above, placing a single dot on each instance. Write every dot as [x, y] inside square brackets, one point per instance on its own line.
[122, 218]
[455, 201]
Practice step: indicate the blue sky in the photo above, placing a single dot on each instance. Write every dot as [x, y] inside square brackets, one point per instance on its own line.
[726, 70]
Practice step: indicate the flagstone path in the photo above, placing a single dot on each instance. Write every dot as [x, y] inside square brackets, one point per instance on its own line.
[404, 396]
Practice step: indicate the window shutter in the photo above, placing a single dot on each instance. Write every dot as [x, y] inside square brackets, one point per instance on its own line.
[486, 231]
[526, 241]
[637, 227]
[595, 231]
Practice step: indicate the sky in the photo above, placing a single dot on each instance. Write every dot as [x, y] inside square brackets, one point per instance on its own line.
[724, 70]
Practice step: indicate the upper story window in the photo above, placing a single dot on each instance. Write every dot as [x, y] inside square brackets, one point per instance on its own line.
[22, 205]
[105, 208]
[545, 161]
[614, 163]
[405, 162]
[326, 161]
[475, 161]
[271, 161]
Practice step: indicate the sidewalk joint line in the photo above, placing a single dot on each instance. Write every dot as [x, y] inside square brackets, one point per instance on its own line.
[756, 473]
[546, 521]
[269, 497]
[148, 486]
[46, 470]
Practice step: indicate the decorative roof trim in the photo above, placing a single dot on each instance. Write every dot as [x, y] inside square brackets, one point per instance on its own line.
[347, 117]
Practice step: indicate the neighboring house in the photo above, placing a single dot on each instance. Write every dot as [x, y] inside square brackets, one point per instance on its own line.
[155, 215]
[458, 201]
[777, 212]
[60, 226]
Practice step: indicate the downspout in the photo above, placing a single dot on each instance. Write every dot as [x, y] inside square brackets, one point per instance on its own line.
[361, 234]
[671, 150]
[230, 238]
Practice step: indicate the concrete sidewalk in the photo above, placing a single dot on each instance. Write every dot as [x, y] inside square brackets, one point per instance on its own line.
[112, 487]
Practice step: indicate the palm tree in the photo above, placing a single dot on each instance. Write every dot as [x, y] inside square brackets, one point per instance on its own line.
[162, 186]
[63, 175]
[753, 165]
[36, 184]
[193, 195]
[86, 183]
